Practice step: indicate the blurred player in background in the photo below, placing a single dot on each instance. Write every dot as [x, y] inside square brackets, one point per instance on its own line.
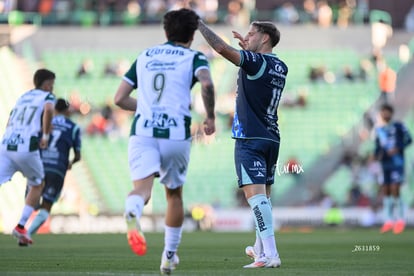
[160, 139]
[392, 138]
[260, 83]
[65, 136]
[20, 144]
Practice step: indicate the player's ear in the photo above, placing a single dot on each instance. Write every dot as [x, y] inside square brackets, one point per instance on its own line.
[265, 38]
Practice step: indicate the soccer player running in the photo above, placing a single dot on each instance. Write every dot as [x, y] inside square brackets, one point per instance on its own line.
[260, 83]
[160, 140]
[390, 142]
[64, 137]
[19, 150]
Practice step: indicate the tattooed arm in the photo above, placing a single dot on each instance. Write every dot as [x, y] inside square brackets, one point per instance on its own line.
[207, 93]
[218, 44]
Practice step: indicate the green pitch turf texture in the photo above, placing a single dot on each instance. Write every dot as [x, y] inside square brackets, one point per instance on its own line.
[331, 251]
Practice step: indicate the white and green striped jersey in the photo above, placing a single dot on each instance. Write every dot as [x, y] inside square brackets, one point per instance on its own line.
[164, 76]
[25, 121]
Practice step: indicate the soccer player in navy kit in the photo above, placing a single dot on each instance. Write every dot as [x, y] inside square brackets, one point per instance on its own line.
[65, 136]
[260, 83]
[391, 140]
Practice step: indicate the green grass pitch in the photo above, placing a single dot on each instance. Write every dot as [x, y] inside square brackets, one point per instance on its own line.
[331, 251]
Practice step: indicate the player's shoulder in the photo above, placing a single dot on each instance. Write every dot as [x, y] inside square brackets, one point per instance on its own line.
[276, 58]
[398, 124]
[72, 123]
[69, 121]
[39, 94]
[200, 56]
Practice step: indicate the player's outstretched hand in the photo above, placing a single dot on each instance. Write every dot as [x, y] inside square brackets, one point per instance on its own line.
[209, 126]
[242, 42]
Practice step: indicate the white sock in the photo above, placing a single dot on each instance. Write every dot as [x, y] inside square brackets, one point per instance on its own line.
[269, 246]
[172, 238]
[258, 245]
[388, 208]
[27, 211]
[262, 213]
[399, 208]
[134, 204]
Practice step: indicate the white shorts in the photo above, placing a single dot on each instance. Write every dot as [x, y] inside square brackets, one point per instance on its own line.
[28, 163]
[168, 158]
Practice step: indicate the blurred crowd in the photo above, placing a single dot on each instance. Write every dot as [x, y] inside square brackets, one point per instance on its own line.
[235, 12]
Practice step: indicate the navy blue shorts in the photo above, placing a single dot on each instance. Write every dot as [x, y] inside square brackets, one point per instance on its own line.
[393, 176]
[255, 161]
[53, 187]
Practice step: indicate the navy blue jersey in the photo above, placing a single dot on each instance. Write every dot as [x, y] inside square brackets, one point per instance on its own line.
[65, 135]
[260, 84]
[391, 136]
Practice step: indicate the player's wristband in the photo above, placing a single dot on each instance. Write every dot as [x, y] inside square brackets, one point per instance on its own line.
[45, 136]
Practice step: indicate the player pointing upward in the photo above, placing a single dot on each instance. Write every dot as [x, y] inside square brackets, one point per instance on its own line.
[260, 83]
[160, 135]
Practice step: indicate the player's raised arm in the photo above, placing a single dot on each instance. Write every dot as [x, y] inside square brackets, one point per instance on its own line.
[207, 93]
[218, 44]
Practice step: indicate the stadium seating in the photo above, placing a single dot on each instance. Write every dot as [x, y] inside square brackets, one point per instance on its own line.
[307, 132]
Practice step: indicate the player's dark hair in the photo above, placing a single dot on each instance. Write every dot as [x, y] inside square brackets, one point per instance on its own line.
[61, 105]
[42, 75]
[268, 28]
[388, 108]
[180, 25]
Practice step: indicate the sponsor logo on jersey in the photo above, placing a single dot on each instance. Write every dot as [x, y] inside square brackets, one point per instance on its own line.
[160, 65]
[160, 120]
[160, 51]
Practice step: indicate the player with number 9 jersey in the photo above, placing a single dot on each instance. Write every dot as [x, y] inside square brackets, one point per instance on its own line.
[160, 140]
[165, 74]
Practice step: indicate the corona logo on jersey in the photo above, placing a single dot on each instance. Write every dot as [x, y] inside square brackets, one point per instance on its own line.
[161, 51]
